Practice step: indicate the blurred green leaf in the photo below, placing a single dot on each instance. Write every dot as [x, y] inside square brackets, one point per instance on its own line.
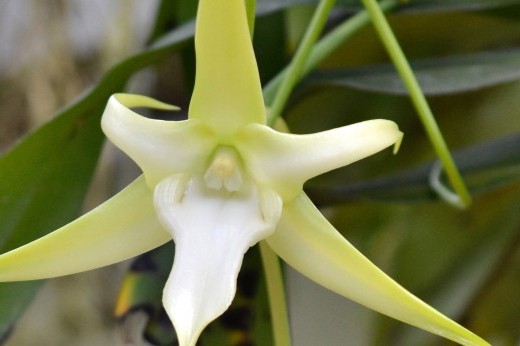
[269, 33]
[487, 245]
[42, 184]
[485, 166]
[415, 5]
[499, 299]
[14, 298]
[164, 19]
[438, 76]
[449, 258]
[44, 178]
[458, 5]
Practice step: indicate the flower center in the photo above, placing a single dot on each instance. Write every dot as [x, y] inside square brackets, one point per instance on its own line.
[224, 171]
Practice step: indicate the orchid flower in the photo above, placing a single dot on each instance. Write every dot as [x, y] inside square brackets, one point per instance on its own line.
[218, 183]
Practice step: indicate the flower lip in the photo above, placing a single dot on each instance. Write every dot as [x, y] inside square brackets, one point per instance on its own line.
[212, 229]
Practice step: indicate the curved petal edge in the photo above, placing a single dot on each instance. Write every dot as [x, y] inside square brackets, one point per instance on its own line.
[159, 147]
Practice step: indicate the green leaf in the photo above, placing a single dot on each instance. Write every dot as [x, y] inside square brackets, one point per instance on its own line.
[447, 257]
[438, 76]
[14, 298]
[456, 289]
[452, 268]
[42, 185]
[270, 32]
[165, 17]
[458, 5]
[416, 6]
[499, 299]
[485, 166]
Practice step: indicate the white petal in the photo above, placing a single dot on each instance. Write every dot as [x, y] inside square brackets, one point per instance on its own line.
[160, 148]
[285, 161]
[212, 231]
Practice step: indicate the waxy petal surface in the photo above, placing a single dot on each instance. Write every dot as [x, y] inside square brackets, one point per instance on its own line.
[123, 227]
[227, 92]
[160, 148]
[288, 160]
[212, 230]
[310, 244]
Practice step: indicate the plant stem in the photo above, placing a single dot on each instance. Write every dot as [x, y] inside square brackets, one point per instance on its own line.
[463, 198]
[297, 65]
[321, 50]
[276, 294]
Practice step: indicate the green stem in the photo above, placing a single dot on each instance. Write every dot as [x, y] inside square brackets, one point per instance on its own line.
[276, 294]
[297, 65]
[463, 198]
[322, 49]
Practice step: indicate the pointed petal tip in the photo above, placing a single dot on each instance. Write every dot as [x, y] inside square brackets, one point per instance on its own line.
[134, 100]
[310, 244]
[398, 142]
[299, 158]
[187, 326]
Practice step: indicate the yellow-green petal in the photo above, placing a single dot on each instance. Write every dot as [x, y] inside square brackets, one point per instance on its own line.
[227, 92]
[310, 244]
[123, 227]
[160, 148]
[285, 161]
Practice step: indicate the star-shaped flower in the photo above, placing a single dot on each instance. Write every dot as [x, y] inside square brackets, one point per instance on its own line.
[217, 184]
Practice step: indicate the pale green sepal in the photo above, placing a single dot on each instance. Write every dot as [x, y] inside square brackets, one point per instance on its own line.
[123, 227]
[135, 100]
[310, 244]
[212, 230]
[160, 148]
[288, 160]
[227, 92]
